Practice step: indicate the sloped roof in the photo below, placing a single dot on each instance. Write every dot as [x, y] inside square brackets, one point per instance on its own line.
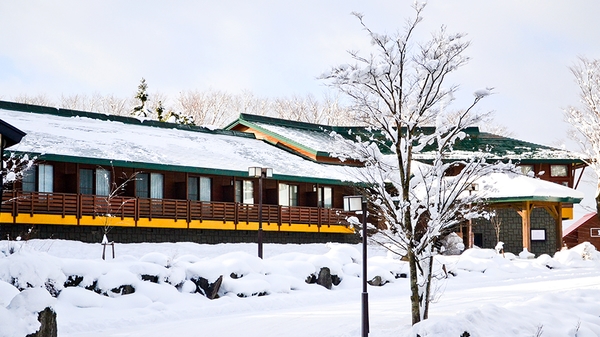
[513, 187]
[317, 139]
[85, 137]
[76, 136]
[582, 221]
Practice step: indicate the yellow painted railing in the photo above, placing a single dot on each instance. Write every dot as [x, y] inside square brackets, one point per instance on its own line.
[80, 209]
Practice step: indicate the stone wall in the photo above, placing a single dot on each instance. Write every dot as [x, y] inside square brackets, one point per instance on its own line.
[511, 232]
[93, 234]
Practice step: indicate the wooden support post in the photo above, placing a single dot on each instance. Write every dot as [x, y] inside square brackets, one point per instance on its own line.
[525, 214]
[559, 229]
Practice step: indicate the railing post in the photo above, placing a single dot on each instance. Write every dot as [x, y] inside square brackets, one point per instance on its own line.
[15, 207]
[188, 207]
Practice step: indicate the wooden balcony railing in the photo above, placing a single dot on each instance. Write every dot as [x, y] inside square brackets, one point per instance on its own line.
[17, 202]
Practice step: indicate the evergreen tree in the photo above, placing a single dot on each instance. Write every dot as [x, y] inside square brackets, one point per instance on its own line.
[142, 95]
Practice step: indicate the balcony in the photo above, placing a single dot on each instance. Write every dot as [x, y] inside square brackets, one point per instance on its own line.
[79, 209]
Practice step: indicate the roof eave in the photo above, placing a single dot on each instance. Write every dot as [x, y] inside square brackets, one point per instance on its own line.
[569, 200]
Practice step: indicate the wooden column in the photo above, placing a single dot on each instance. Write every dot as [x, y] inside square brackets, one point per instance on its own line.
[559, 229]
[525, 214]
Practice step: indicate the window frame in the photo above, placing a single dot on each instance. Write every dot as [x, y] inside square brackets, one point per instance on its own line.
[555, 174]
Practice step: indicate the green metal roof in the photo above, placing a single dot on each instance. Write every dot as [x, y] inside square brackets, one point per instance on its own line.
[534, 198]
[491, 146]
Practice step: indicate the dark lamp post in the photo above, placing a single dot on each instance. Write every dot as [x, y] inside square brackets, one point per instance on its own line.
[356, 203]
[260, 173]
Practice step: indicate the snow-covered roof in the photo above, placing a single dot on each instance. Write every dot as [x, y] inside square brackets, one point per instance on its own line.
[508, 187]
[72, 135]
[99, 139]
[578, 223]
[317, 138]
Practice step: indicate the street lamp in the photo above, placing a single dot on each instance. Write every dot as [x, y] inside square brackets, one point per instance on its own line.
[355, 203]
[260, 173]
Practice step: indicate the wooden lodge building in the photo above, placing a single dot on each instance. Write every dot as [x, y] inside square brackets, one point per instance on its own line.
[530, 217]
[179, 183]
[152, 181]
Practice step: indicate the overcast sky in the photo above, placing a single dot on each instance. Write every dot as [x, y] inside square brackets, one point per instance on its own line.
[278, 48]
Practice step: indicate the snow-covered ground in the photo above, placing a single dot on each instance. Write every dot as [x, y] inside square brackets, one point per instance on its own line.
[485, 294]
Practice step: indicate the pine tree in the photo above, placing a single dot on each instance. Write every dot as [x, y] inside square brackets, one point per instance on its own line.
[142, 95]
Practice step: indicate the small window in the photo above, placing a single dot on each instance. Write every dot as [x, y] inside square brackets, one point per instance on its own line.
[325, 195]
[156, 185]
[199, 188]
[538, 235]
[86, 181]
[244, 191]
[29, 182]
[288, 195]
[39, 179]
[558, 170]
[100, 185]
[103, 182]
[45, 178]
[149, 185]
[526, 169]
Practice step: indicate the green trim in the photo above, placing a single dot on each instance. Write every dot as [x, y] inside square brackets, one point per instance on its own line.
[276, 136]
[498, 148]
[533, 198]
[175, 168]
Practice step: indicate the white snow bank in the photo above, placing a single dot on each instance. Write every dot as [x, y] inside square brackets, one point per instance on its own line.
[279, 281]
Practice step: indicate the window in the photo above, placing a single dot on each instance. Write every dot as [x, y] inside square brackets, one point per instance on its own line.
[149, 185]
[558, 170]
[29, 181]
[103, 181]
[244, 191]
[100, 185]
[199, 188]
[86, 181]
[39, 179]
[288, 195]
[525, 169]
[325, 195]
[45, 178]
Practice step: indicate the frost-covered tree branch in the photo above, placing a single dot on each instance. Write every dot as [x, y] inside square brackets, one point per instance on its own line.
[585, 118]
[400, 92]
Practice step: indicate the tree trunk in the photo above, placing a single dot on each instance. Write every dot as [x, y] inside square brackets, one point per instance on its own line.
[414, 288]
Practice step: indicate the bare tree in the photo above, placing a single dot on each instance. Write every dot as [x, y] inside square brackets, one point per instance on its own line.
[209, 108]
[41, 99]
[111, 203]
[585, 119]
[400, 92]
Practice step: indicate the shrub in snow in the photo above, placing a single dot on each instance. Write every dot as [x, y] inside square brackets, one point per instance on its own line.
[149, 271]
[525, 254]
[117, 282]
[479, 253]
[452, 244]
[548, 262]
[20, 318]
[581, 255]
[382, 274]
[251, 285]
[157, 258]
[7, 293]
[587, 251]
[82, 298]
[25, 269]
[208, 289]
